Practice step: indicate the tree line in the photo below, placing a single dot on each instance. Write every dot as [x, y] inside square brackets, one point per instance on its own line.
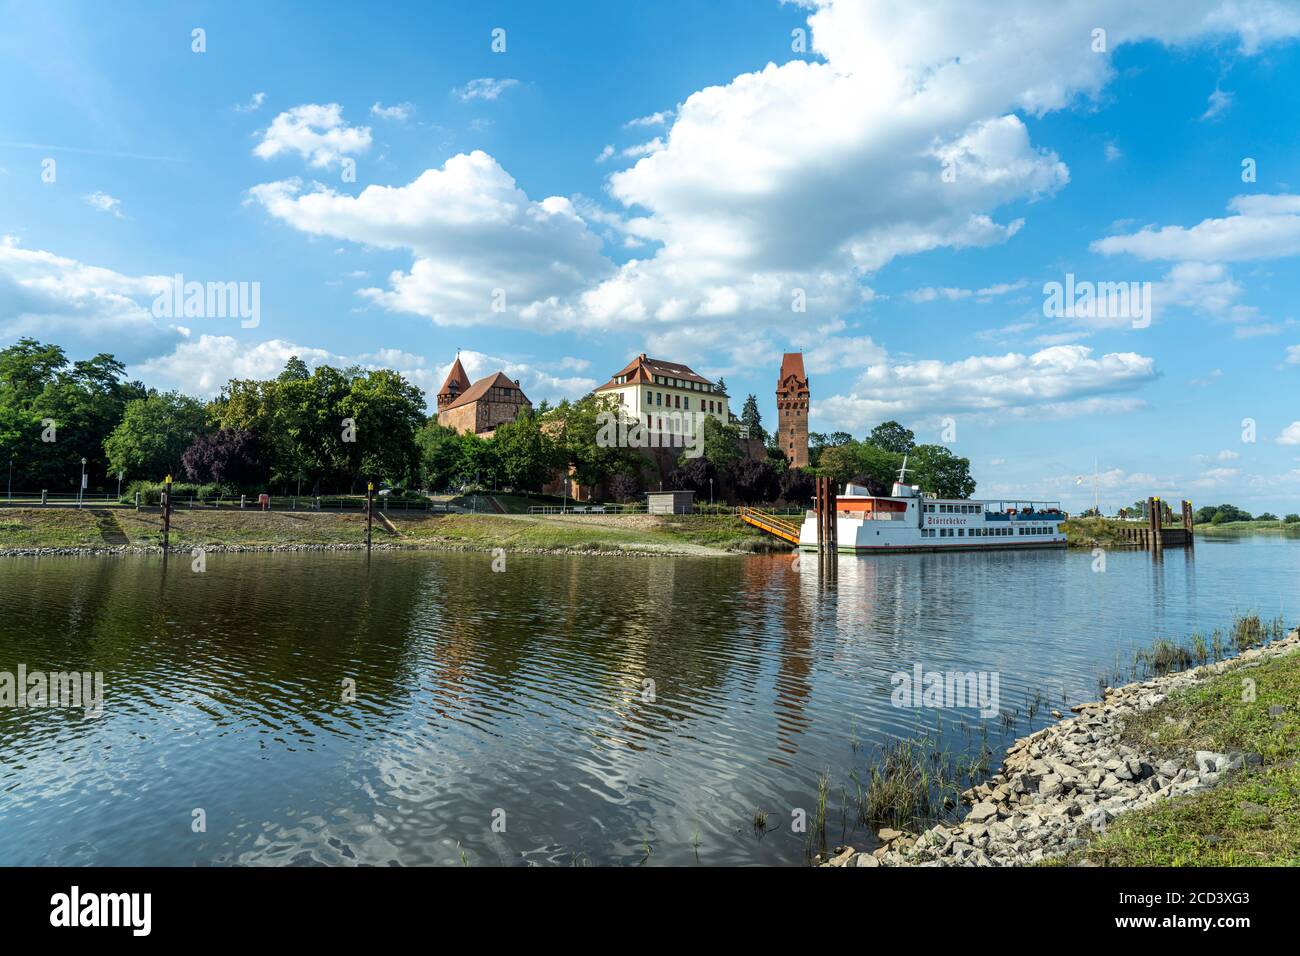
[331, 430]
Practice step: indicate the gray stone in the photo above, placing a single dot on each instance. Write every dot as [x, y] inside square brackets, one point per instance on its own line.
[981, 812]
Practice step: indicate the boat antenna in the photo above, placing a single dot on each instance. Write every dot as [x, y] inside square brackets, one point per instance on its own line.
[902, 472]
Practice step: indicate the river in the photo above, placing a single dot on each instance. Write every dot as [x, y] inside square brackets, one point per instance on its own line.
[421, 708]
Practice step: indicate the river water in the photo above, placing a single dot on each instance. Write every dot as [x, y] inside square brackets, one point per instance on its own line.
[423, 709]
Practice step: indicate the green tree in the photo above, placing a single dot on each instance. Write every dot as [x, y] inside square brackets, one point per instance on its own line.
[574, 427]
[750, 416]
[892, 436]
[53, 414]
[841, 463]
[440, 450]
[940, 472]
[721, 444]
[154, 434]
[527, 454]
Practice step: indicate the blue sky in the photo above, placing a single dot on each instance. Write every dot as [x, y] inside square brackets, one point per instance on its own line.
[670, 178]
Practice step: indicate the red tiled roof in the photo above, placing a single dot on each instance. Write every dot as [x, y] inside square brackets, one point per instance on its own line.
[792, 364]
[480, 388]
[457, 380]
[642, 370]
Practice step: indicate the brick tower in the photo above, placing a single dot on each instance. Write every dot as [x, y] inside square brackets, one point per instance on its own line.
[792, 410]
[457, 383]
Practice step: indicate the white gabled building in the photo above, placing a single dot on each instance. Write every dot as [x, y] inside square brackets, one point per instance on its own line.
[656, 392]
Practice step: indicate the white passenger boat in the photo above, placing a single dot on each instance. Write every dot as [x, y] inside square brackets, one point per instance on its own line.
[907, 520]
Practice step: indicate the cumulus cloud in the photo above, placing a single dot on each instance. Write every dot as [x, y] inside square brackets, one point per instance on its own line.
[1290, 435]
[485, 88]
[813, 174]
[793, 181]
[1060, 381]
[483, 251]
[54, 298]
[317, 133]
[1293, 355]
[203, 366]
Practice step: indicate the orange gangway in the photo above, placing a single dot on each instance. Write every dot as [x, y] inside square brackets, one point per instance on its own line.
[785, 530]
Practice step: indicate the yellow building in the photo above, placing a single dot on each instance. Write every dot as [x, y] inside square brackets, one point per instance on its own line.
[650, 390]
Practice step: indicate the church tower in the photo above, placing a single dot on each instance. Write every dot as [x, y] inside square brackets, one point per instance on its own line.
[792, 410]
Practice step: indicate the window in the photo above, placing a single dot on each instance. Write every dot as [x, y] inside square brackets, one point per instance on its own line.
[688, 403]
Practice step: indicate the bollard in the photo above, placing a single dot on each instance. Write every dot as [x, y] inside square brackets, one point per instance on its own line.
[241, 502]
[137, 501]
[44, 496]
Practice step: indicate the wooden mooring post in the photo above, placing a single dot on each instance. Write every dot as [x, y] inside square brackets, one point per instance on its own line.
[167, 514]
[370, 504]
[825, 508]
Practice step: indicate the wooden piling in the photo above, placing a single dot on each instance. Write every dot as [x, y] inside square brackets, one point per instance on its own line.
[167, 513]
[370, 501]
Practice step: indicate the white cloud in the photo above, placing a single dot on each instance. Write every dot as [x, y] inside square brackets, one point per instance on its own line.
[253, 105]
[1113, 153]
[605, 153]
[1217, 105]
[204, 365]
[643, 149]
[1293, 355]
[54, 298]
[654, 119]
[472, 232]
[1290, 435]
[104, 203]
[813, 174]
[1056, 382]
[317, 133]
[485, 88]
[798, 179]
[988, 293]
[1262, 227]
[929, 294]
[398, 113]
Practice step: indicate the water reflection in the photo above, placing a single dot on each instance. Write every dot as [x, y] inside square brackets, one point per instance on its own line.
[609, 710]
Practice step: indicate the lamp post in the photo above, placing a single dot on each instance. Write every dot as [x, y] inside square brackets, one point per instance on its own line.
[81, 492]
[119, 484]
[710, 492]
[11, 476]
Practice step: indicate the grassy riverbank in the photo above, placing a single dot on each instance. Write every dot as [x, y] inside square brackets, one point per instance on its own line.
[1227, 529]
[1253, 818]
[1094, 533]
[27, 528]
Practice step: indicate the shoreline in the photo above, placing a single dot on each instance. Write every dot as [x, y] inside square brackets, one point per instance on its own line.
[186, 550]
[1062, 785]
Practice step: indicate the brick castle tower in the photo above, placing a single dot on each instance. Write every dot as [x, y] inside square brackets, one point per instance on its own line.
[457, 383]
[792, 410]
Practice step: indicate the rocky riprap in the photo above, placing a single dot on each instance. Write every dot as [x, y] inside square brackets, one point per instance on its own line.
[1060, 785]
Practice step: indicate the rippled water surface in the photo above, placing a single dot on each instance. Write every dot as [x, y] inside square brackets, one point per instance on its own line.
[518, 697]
